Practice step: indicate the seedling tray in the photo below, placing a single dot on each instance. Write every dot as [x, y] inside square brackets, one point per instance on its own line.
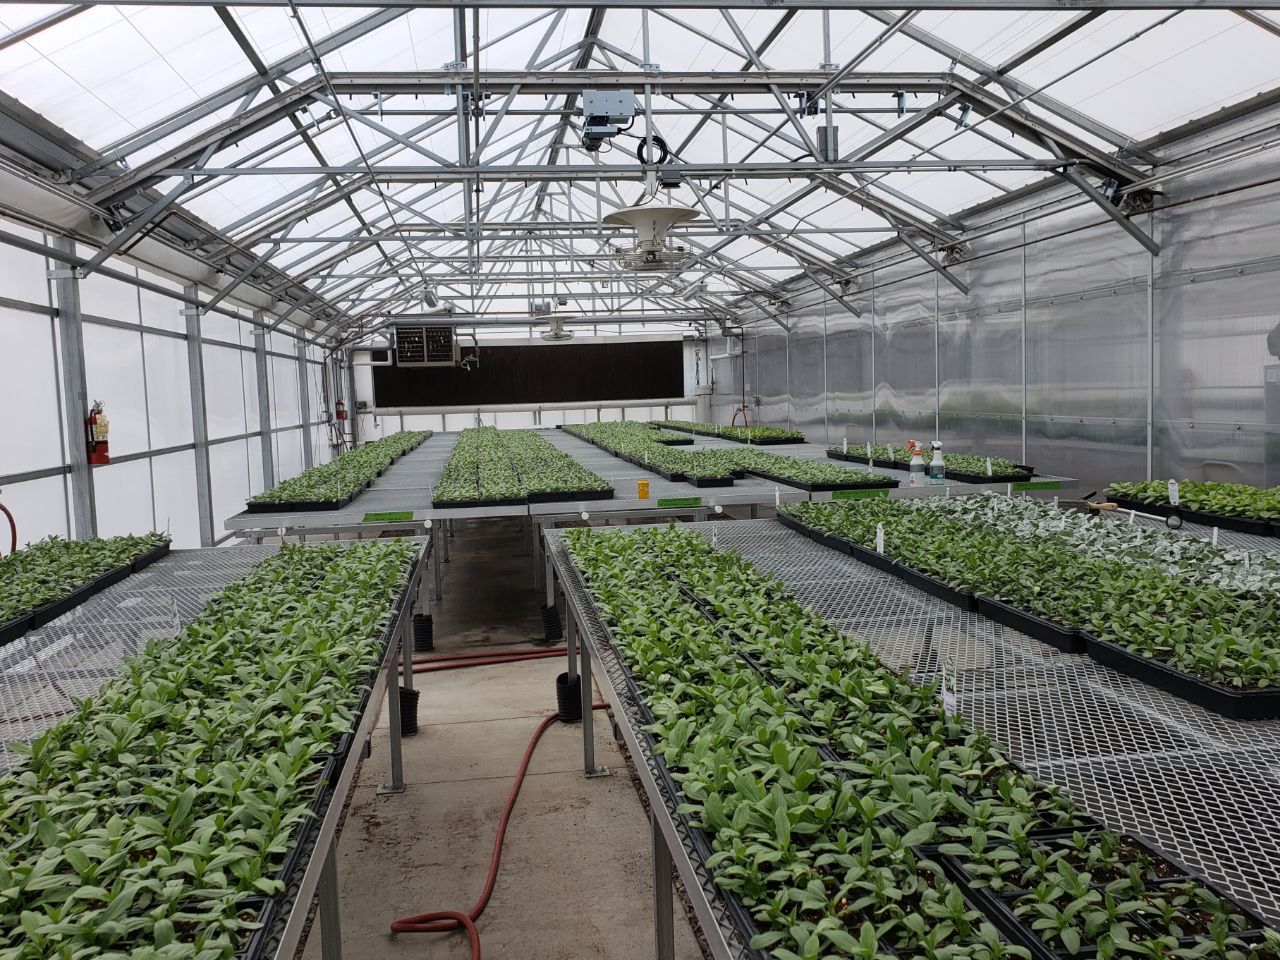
[1259, 528]
[709, 481]
[998, 905]
[11, 630]
[1023, 474]
[1066, 639]
[52, 611]
[676, 442]
[850, 457]
[150, 557]
[1231, 702]
[768, 442]
[1156, 509]
[258, 939]
[569, 496]
[963, 599]
[298, 506]
[886, 484]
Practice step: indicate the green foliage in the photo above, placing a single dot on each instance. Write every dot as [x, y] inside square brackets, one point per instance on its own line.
[142, 825]
[960, 462]
[1186, 615]
[47, 571]
[344, 476]
[491, 464]
[1226, 499]
[740, 434]
[817, 772]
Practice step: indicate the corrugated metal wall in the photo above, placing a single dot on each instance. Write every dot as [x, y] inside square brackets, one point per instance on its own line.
[1062, 347]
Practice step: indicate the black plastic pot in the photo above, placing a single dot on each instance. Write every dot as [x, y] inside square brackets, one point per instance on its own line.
[409, 711]
[551, 625]
[1228, 701]
[1046, 631]
[569, 698]
[11, 630]
[423, 633]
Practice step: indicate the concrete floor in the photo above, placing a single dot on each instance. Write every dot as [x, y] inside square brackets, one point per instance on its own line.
[576, 879]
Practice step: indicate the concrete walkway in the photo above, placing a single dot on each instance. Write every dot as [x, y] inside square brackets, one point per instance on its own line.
[576, 875]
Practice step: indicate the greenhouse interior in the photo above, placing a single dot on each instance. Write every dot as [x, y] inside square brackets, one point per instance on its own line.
[726, 479]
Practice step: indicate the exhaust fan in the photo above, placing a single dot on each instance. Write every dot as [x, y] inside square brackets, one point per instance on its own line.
[651, 223]
[556, 332]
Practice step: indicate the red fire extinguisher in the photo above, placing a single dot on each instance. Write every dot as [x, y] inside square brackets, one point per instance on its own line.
[339, 410]
[97, 432]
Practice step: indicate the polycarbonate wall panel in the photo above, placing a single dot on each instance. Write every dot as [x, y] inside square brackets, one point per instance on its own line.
[122, 496]
[229, 477]
[114, 375]
[24, 272]
[285, 406]
[288, 461]
[39, 508]
[31, 427]
[168, 390]
[224, 392]
[769, 346]
[176, 509]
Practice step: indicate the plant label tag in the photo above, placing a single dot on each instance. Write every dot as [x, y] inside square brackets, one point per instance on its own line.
[844, 445]
[1215, 536]
[868, 449]
[1132, 514]
[1246, 560]
[777, 497]
[890, 451]
[949, 705]
[715, 539]
[1173, 492]
[879, 538]
[1055, 503]
[989, 473]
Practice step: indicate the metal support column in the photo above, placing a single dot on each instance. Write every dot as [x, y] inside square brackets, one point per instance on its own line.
[406, 654]
[589, 767]
[75, 394]
[199, 420]
[330, 915]
[264, 404]
[352, 417]
[393, 716]
[664, 930]
[571, 645]
[304, 405]
[1151, 353]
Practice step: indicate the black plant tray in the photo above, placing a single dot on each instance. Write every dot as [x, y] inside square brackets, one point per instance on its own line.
[459, 504]
[963, 599]
[997, 906]
[56, 608]
[570, 496]
[770, 442]
[1024, 474]
[886, 484]
[1259, 528]
[676, 442]
[299, 506]
[256, 946]
[1230, 702]
[1046, 631]
[709, 481]
[150, 557]
[850, 457]
[11, 630]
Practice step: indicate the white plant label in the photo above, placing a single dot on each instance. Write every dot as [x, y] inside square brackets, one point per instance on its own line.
[989, 470]
[1215, 536]
[1055, 503]
[868, 449]
[1132, 514]
[879, 538]
[715, 540]
[777, 497]
[950, 706]
[891, 451]
[1173, 492]
[844, 445]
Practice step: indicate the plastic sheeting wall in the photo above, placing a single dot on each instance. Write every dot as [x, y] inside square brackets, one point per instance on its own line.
[1060, 349]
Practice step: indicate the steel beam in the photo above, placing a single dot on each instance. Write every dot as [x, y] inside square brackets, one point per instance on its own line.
[199, 419]
[872, 5]
[304, 404]
[75, 394]
[263, 379]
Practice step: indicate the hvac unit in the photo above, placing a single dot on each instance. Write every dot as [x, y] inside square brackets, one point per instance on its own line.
[426, 346]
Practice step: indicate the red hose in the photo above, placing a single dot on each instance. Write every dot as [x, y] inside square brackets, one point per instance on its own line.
[486, 661]
[13, 529]
[484, 654]
[446, 921]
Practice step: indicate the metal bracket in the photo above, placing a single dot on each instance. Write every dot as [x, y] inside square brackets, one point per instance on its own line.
[597, 772]
[63, 273]
[388, 789]
[651, 67]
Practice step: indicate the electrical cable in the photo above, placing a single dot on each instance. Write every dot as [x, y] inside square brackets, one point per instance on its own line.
[486, 654]
[447, 921]
[485, 662]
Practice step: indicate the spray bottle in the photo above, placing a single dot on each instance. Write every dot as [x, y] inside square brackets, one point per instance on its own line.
[937, 468]
[917, 463]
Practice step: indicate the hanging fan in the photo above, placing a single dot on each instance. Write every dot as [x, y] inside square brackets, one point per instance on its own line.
[650, 251]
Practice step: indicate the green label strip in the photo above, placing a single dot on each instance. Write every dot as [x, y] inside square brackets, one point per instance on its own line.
[1038, 485]
[396, 517]
[681, 502]
[857, 494]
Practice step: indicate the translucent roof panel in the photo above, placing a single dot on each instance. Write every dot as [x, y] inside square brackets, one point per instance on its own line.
[132, 82]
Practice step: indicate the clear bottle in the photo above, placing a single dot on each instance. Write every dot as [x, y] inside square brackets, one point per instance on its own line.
[937, 468]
